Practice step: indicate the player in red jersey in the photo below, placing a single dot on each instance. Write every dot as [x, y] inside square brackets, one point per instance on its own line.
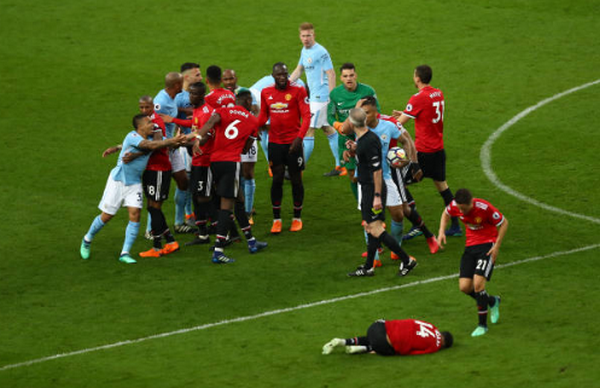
[396, 337]
[218, 96]
[486, 228]
[235, 129]
[427, 108]
[201, 181]
[286, 105]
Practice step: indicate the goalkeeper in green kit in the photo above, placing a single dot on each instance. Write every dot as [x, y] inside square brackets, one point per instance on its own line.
[341, 100]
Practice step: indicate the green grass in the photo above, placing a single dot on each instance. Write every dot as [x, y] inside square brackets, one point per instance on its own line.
[71, 73]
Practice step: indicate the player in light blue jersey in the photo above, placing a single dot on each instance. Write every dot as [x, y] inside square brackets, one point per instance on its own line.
[124, 185]
[320, 77]
[184, 219]
[164, 103]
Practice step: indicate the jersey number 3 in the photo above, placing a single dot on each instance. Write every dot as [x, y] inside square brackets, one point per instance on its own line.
[439, 111]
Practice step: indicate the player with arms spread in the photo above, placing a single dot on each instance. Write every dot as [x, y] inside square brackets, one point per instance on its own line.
[235, 129]
[124, 185]
[486, 228]
[427, 108]
[372, 194]
[286, 105]
[402, 337]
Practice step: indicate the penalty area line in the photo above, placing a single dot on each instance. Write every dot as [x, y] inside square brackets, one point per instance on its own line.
[283, 310]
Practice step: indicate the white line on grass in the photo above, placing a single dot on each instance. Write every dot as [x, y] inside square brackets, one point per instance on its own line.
[281, 311]
[486, 156]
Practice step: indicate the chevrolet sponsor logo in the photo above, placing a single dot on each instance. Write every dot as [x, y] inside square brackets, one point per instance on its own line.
[279, 105]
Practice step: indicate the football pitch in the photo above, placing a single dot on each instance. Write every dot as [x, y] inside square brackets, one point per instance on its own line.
[517, 133]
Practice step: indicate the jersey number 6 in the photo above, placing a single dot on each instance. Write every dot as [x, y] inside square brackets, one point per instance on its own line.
[231, 131]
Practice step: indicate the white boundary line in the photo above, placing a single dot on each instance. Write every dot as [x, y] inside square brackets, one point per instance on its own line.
[486, 156]
[284, 310]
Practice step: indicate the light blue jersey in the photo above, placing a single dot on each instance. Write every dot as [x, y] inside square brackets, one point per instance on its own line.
[386, 132]
[316, 61]
[131, 173]
[182, 100]
[163, 103]
[262, 83]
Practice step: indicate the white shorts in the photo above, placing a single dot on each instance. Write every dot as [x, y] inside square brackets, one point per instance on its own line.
[187, 159]
[318, 114]
[251, 155]
[177, 162]
[393, 195]
[116, 194]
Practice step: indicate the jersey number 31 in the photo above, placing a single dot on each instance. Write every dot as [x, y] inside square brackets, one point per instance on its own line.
[439, 111]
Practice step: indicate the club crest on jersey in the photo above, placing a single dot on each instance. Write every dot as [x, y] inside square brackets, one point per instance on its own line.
[288, 97]
[384, 137]
[478, 220]
[408, 107]
[156, 107]
[279, 105]
[309, 60]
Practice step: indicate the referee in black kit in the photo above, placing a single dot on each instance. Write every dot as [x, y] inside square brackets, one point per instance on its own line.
[371, 195]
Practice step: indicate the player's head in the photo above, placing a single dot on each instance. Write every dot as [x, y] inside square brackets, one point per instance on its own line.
[146, 105]
[357, 119]
[173, 82]
[280, 73]
[348, 76]
[307, 34]
[464, 200]
[422, 75]
[229, 79]
[197, 92]
[244, 98]
[369, 106]
[143, 125]
[213, 75]
[191, 72]
[447, 339]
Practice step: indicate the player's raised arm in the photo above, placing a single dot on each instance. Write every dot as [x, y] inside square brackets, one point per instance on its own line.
[202, 133]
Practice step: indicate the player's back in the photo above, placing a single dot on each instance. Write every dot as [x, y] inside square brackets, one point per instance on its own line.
[220, 98]
[200, 117]
[411, 336]
[236, 125]
[427, 107]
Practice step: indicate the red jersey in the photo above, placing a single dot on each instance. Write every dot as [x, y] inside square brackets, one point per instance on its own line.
[410, 336]
[481, 221]
[159, 160]
[201, 116]
[220, 98]
[236, 125]
[427, 109]
[288, 110]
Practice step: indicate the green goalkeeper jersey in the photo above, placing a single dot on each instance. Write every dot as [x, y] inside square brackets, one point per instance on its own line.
[340, 102]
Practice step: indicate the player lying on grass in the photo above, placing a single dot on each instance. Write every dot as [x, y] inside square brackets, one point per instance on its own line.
[486, 228]
[124, 185]
[396, 337]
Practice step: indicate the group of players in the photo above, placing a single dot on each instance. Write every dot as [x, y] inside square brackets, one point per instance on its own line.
[221, 130]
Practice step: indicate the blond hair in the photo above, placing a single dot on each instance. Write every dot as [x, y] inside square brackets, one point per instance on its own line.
[306, 26]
